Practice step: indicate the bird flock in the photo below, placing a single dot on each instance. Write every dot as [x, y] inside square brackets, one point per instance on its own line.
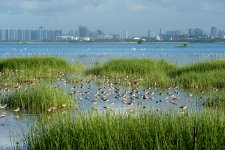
[118, 94]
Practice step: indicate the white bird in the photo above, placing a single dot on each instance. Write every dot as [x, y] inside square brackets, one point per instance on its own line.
[3, 106]
[17, 109]
[183, 107]
[2, 115]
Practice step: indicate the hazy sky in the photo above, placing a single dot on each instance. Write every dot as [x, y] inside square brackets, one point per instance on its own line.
[113, 16]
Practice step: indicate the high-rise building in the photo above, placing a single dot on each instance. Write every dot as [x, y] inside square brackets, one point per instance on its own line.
[27, 35]
[83, 31]
[19, 35]
[125, 34]
[197, 32]
[12, 35]
[5, 35]
[34, 35]
[221, 33]
[58, 33]
[213, 32]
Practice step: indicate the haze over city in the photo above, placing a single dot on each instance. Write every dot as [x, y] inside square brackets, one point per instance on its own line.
[113, 16]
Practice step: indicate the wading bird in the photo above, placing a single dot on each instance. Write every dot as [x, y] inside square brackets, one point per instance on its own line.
[17, 109]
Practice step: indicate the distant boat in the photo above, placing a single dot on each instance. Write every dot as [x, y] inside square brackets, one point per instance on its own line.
[182, 46]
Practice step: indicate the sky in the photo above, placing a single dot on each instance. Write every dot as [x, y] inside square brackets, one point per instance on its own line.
[113, 16]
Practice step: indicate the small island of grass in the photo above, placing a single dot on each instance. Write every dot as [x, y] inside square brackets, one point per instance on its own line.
[182, 46]
[140, 41]
[39, 98]
[26, 69]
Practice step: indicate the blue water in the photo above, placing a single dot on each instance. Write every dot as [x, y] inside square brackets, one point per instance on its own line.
[90, 52]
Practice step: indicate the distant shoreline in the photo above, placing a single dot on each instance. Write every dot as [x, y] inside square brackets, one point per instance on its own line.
[116, 42]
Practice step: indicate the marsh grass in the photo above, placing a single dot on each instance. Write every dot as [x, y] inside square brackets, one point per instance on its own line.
[23, 69]
[216, 100]
[35, 63]
[208, 74]
[209, 79]
[209, 65]
[155, 72]
[146, 130]
[39, 98]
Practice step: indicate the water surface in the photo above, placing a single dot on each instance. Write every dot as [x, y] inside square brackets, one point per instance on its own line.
[89, 52]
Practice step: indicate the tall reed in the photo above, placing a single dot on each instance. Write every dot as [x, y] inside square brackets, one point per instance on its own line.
[22, 69]
[146, 130]
[36, 63]
[215, 100]
[39, 98]
[150, 70]
[208, 74]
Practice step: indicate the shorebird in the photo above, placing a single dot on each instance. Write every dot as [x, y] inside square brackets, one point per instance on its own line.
[131, 103]
[145, 97]
[94, 102]
[106, 107]
[111, 103]
[63, 105]
[173, 102]
[184, 107]
[17, 109]
[2, 115]
[3, 106]
[124, 101]
[52, 108]
[17, 86]
[49, 109]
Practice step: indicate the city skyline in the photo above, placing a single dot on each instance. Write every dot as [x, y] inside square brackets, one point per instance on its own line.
[135, 16]
[84, 34]
[208, 31]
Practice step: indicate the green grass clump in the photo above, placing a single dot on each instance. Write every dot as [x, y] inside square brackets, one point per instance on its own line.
[33, 63]
[151, 71]
[121, 131]
[216, 100]
[210, 79]
[26, 69]
[208, 74]
[39, 98]
[203, 67]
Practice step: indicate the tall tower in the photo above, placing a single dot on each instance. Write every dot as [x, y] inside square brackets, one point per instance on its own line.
[213, 31]
[83, 31]
[126, 34]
